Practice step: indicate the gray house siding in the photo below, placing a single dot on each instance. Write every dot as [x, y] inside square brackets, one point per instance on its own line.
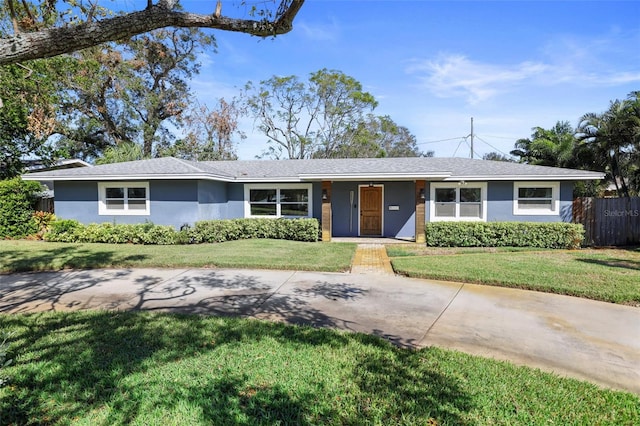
[235, 203]
[397, 223]
[171, 203]
[316, 193]
[177, 202]
[212, 200]
[500, 204]
[76, 200]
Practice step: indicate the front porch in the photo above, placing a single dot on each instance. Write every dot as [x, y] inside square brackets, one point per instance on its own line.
[394, 214]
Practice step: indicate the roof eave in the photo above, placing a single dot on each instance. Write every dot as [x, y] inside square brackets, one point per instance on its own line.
[40, 177]
[524, 177]
[373, 176]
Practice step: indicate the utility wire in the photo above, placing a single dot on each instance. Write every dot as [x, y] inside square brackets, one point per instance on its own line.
[469, 145]
[459, 143]
[499, 137]
[500, 151]
[438, 141]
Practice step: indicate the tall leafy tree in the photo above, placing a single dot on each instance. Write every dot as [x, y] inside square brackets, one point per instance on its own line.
[313, 119]
[496, 156]
[42, 29]
[28, 116]
[210, 133]
[129, 92]
[380, 136]
[126, 151]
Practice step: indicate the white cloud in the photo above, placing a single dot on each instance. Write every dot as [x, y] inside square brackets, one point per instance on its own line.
[458, 76]
[319, 32]
[454, 76]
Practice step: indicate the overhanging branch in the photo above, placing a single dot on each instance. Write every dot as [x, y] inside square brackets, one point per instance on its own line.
[57, 41]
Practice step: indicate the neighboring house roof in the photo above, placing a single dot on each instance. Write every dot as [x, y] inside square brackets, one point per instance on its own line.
[427, 168]
[39, 166]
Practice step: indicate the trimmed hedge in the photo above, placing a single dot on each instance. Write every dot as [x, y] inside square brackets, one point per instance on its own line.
[72, 231]
[552, 235]
[17, 204]
[217, 231]
[210, 231]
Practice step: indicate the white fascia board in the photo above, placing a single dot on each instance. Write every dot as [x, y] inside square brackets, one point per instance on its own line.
[523, 177]
[374, 176]
[127, 177]
[270, 179]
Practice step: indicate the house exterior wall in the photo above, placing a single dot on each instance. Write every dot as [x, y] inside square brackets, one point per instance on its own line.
[171, 203]
[187, 201]
[212, 200]
[396, 223]
[76, 200]
[500, 204]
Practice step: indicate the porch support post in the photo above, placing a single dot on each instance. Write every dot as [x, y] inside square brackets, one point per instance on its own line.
[326, 211]
[420, 211]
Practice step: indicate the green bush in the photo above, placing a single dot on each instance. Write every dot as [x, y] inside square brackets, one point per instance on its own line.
[63, 231]
[143, 233]
[216, 231]
[17, 207]
[209, 231]
[504, 234]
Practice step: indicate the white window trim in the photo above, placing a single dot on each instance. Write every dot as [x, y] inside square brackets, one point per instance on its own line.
[277, 187]
[457, 218]
[555, 199]
[102, 195]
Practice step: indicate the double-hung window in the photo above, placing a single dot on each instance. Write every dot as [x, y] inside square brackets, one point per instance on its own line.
[278, 200]
[536, 198]
[453, 201]
[123, 198]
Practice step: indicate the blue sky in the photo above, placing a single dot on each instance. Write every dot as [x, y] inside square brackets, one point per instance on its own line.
[432, 65]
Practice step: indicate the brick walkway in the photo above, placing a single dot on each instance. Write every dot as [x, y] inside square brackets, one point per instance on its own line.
[371, 259]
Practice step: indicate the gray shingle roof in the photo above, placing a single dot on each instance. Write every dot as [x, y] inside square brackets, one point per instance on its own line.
[435, 168]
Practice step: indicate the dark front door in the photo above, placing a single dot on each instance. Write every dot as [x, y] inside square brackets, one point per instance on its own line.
[371, 210]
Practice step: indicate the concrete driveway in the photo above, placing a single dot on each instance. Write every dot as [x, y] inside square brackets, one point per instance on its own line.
[595, 341]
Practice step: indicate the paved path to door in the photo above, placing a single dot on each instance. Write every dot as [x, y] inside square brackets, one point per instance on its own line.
[371, 259]
[576, 337]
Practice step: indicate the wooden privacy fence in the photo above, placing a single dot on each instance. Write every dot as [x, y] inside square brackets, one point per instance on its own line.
[608, 221]
[44, 204]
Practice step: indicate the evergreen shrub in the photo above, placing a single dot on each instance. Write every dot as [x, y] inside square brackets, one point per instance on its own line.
[552, 235]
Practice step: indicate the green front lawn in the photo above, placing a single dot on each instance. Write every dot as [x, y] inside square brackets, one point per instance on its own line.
[610, 275]
[263, 254]
[100, 368]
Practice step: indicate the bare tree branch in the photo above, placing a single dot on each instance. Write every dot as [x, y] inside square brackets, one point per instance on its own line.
[55, 41]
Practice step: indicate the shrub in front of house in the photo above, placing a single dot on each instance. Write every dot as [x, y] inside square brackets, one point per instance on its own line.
[63, 231]
[215, 231]
[16, 209]
[209, 231]
[72, 231]
[555, 235]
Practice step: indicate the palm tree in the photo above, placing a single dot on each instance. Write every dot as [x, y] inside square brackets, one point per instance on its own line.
[548, 147]
[613, 137]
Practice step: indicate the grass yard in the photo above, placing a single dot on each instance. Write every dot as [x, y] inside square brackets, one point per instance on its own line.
[20, 256]
[611, 275]
[99, 368]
